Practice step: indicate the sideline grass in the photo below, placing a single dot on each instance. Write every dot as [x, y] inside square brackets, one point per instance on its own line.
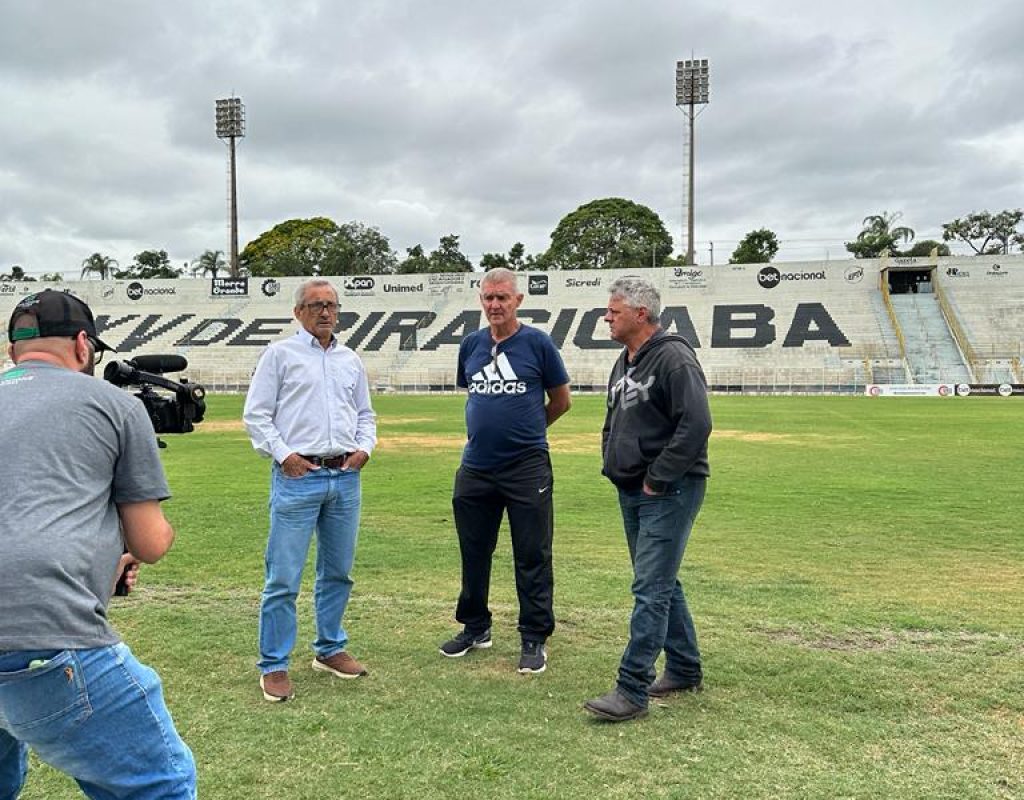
[856, 578]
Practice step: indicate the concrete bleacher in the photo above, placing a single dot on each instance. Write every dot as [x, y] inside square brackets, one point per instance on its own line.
[788, 327]
[986, 295]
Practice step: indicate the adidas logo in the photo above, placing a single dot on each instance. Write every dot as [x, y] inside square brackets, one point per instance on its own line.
[498, 377]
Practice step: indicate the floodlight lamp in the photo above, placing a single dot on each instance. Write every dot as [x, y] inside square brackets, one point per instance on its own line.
[692, 82]
[230, 116]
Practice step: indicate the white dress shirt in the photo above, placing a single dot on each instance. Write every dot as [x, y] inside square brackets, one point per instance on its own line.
[304, 399]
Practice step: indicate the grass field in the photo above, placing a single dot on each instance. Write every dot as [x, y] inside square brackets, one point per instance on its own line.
[856, 577]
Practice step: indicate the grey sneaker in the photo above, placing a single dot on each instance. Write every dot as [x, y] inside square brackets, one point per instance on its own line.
[534, 658]
[463, 642]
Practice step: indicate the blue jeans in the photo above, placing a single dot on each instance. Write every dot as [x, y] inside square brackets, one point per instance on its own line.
[327, 501]
[657, 529]
[97, 715]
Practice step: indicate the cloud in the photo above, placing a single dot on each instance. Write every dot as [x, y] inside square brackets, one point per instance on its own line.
[493, 122]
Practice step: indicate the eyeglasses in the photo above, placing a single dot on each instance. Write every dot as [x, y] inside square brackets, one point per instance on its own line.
[319, 306]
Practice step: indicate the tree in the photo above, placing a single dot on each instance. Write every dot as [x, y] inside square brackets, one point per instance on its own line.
[757, 247]
[150, 264]
[99, 264]
[879, 236]
[319, 246]
[489, 261]
[995, 234]
[606, 234]
[52, 277]
[415, 261]
[924, 248]
[210, 262]
[17, 275]
[447, 257]
[517, 259]
[357, 249]
[293, 247]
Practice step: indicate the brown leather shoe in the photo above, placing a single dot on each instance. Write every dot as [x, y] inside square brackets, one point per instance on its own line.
[276, 686]
[340, 664]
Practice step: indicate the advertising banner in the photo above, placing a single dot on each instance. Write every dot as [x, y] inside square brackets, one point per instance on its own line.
[229, 287]
[990, 390]
[909, 390]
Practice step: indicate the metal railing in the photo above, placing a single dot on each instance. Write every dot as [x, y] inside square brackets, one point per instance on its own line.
[887, 299]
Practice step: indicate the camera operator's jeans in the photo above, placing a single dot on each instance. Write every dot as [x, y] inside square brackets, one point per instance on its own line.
[328, 501]
[657, 529]
[97, 715]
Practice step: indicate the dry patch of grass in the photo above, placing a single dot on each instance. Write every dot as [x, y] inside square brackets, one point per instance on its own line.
[888, 639]
[565, 442]
[219, 426]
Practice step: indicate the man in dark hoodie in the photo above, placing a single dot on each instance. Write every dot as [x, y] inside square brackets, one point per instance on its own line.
[655, 447]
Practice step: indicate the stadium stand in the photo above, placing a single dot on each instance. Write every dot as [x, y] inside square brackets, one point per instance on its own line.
[777, 328]
[985, 301]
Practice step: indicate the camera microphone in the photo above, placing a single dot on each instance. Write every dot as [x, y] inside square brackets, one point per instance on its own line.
[160, 364]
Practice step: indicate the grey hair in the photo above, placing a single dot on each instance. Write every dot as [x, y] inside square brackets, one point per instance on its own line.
[300, 292]
[500, 275]
[638, 293]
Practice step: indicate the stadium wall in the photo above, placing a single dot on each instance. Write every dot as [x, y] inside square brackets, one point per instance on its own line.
[787, 327]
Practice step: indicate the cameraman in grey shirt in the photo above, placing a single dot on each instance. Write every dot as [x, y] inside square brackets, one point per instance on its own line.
[76, 494]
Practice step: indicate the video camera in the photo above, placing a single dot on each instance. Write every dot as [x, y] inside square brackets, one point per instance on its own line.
[168, 415]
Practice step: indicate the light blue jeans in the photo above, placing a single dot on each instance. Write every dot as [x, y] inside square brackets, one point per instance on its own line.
[97, 715]
[657, 529]
[327, 501]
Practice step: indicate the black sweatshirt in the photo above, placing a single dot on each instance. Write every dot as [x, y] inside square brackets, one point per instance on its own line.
[658, 422]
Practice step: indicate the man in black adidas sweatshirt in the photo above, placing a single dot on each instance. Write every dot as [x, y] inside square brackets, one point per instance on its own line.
[655, 448]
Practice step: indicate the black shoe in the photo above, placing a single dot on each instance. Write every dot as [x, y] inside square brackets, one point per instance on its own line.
[666, 685]
[615, 708]
[464, 642]
[534, 658]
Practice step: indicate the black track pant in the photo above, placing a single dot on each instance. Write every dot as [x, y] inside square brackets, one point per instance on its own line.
[523, 488]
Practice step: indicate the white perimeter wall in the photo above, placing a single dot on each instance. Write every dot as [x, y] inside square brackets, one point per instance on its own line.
[803, 319]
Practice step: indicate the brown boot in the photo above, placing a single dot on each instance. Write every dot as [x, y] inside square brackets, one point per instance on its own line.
[667, 685]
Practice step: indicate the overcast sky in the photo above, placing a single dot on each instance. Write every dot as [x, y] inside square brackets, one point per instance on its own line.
[492, 121]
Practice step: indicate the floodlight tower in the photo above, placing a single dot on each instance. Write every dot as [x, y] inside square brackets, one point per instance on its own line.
[231, 126]
[691, 91]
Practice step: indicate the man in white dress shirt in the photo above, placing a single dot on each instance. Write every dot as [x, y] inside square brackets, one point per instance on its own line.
[308, 409]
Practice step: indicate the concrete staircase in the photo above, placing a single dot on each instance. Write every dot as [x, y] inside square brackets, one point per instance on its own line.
[932, 352]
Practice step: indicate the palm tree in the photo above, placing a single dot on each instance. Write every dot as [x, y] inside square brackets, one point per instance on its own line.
[100, 264]
[879, 235]
[16, 274]
[211, 261]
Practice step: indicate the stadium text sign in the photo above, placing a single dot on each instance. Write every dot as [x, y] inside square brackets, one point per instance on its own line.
[744, 326]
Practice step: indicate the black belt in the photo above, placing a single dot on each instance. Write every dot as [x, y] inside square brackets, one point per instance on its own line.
[331, 462]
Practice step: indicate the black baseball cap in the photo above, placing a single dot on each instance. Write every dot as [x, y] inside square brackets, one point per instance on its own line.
[53, 314]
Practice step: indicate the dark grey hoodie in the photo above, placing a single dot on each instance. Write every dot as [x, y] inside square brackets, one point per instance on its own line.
[658, 422]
